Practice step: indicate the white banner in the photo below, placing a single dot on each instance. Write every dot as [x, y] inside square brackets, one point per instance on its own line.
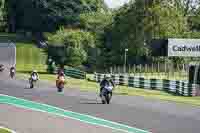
[184, 47]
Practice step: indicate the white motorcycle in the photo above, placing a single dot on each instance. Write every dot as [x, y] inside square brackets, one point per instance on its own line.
[32, 81]
[106, 94]
[12, 73]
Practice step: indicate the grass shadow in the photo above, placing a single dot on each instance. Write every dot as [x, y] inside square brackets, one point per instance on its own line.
[27, 88]
[120, 93]
[24, 71]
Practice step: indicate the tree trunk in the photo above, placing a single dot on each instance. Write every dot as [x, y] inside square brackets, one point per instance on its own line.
[12, 23]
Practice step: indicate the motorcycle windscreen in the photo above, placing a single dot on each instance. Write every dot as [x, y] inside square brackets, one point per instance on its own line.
[109, 88]
[34, 77]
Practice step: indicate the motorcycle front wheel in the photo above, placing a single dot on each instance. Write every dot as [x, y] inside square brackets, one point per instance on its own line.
[60, 87]
[107, 99]
[32, 84]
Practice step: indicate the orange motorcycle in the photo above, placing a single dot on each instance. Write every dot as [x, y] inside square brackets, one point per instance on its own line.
[60, 82]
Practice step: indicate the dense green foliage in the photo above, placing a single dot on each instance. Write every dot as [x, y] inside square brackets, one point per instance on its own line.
[73, 45]
[3, 14]
[95, 36]
[48, 15]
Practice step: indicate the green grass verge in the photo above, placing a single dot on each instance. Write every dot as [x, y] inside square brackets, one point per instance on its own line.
[27, 53]
[29, 57]
[4, 131]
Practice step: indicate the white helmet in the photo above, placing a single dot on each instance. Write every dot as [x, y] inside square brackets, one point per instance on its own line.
[35, 71]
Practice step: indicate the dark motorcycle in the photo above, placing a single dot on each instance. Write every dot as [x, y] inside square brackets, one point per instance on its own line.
[12, 73]
[1, 67]
[106, 94]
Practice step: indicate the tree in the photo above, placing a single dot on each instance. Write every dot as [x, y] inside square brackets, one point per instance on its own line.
[194, 20]
[168, 21]
[128, 32]
[48, 15]
[72, 46]
[95, 21]
[136, 23]
[3, 21]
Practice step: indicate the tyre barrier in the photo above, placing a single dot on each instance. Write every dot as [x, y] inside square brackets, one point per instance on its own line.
[176, 87]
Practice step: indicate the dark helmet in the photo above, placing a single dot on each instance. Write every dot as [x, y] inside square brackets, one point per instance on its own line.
[62, 73]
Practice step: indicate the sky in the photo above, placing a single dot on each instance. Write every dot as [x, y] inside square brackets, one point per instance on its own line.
[115, 3]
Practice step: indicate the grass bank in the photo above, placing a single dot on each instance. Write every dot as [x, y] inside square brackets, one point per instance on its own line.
[28, 53]
[2, 130]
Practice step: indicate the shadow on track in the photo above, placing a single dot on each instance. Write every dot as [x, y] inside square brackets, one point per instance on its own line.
[90, 103]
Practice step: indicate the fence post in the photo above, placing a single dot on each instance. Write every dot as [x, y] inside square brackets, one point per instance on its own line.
[121, 79]
[152, 69]
[166, 85]
[146, 68]
[183, 88]
[189, 89]
[131, 81]
[134, 69]
[153, 84]
[141, 82]
[111, 71]
[177, 87]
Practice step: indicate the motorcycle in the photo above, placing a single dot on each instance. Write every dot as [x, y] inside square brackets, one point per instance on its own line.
[12, 73]
[32, 81]
[1, 68]
[106, 94]
[60, 83]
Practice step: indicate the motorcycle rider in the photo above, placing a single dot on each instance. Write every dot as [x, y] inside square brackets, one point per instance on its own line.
[60, 74]
[12, 70]
[34, 73]
[1, 67]
[106, 81]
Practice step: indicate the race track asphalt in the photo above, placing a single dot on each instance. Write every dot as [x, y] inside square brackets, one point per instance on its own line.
[151, 115]
[28, 121]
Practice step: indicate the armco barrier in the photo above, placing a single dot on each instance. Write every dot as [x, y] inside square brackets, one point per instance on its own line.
[74, 73]
[181, 88]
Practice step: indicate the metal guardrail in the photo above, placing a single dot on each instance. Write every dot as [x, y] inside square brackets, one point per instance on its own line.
[176, 87]
[74, 73]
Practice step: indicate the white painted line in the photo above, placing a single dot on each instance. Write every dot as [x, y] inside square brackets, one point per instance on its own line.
[89, 122]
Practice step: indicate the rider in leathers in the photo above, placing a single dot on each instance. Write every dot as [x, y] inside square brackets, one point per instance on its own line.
[106, 81]
[60, 74]
[12, 70]
[34, 73]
